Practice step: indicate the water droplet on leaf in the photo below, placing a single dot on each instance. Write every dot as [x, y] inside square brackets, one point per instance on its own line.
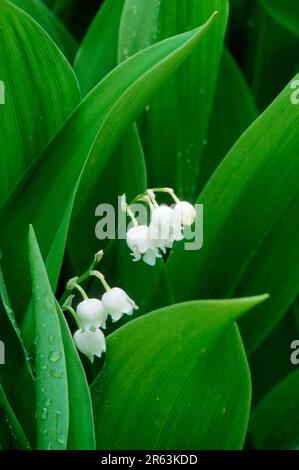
[57, 373]
[54, 356]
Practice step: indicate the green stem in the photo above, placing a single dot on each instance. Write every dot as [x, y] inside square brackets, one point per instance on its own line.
[79, 289]
[83, 276]
[101, 277]
[169, 191]
[68, 308]
[131, 215]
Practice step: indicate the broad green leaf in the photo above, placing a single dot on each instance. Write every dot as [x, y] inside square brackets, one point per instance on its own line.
[46, 19]
[176, 378]
[251, 189]
[81, 428]
[234, 110]
[85, 143]
[16, 429]
[285, 12]
[52, 404]
[97, 54]
[272, 57]
[175, 124]
[40, 93]
[274, 423]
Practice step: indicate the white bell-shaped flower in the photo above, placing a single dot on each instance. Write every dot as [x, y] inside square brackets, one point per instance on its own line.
[90, 343]
[185, 213]
[166, 226]
[117, 303]
[138, 240]
[140, 243]
[92, 314]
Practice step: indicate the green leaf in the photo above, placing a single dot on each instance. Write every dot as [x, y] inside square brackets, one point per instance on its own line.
[271, 58]
[97, 55]
[240, 212]
[11, 317]
[31, 114]
[176, 120]
[5, 436]
[17, 373]
[280, 248]
[274, 423]
[274, 350]
[60, 35]
[16, 429]
[81, 428]
[127, 166]
[52, 405]
[234, 110]
[86, 142]
[158, 390]
[285, 12]
[53, 265]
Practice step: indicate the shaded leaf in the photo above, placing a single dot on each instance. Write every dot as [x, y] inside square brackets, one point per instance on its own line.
[272, 57]
[234, 110]
[175, 125]
[274, 423]
[60, 35]
[285, 12]
[17, 431]
[17, 373]
[97, 55]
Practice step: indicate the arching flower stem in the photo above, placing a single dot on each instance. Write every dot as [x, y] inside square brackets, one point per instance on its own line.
[68, 308]
[101, 277]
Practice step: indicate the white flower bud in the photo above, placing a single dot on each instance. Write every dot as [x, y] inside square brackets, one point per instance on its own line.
[116, 302]
[90, 343]
[92, 314]
[185, 213]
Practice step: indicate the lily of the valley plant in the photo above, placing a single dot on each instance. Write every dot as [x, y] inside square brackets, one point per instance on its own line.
[192, 105]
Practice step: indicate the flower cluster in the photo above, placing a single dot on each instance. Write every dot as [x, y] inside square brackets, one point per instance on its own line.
[146, 242]
[149, 242]
[91, 316]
